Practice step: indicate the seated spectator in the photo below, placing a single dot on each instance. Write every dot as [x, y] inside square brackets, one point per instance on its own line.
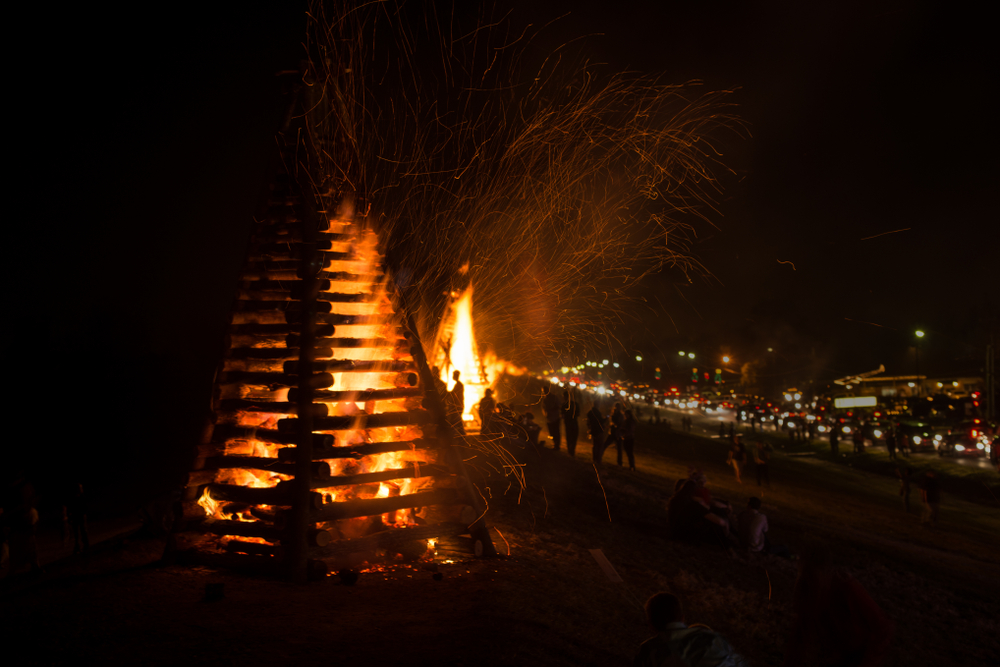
[752, 531]
[689, 518]
[676, 643]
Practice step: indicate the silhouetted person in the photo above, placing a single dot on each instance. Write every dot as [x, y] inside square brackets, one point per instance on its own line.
[487, 408]
[752, 530]
[834, 443]
[550, 404]
[903, 473]
[858, 437]
[571, 421]
[762, 461]
[737, 456]
[614, 430]
[455, 404]
[836, 621]
[930, 494]
[676, 643]
[890, 444]
[595, 425]
[628, 439]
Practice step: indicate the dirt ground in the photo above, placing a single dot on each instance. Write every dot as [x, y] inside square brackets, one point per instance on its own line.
[548, 602]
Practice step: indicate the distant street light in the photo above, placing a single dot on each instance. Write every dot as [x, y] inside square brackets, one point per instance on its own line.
[638, 357]
[920, 385]
[690, 355]
[725, 360]
[681, 353]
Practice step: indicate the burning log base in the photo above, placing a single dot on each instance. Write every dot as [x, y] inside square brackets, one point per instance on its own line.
[327, 449]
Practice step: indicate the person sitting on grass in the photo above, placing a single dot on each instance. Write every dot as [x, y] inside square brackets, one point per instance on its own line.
[689, 518]
[752, 530]
[676, 643]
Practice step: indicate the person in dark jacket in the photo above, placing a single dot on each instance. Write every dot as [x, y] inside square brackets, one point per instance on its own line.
[571, 421]
[595, 424]
[550, 404]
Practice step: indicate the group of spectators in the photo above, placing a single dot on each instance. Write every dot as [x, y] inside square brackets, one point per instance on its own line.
[617, 429]
[835, 621]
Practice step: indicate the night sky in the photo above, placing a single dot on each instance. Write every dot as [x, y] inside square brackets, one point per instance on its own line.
[863, 119]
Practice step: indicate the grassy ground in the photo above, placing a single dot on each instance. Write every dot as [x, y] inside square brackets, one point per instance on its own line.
[548, 602]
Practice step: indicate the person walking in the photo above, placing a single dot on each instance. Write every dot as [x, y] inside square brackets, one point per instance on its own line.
[737, 456]
[571, 421]
[595, 424]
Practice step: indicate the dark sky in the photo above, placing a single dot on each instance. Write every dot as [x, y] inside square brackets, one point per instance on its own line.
[864, 118]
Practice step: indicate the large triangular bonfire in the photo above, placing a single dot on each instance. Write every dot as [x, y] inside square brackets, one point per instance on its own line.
[328, 442]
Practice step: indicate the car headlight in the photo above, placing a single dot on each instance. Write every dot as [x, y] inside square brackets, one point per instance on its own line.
[959, 448]
[878, 433]
[979, 445]
[938, 438]
[917, 440]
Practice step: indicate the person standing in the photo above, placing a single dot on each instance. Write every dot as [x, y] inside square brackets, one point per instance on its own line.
[628, 439]
[737, 456]
[834, 444]
[903, 473]
[595, 424]
[930, 494]
[487, 406]
[614, 431]
[762, 459]
[858, 437]
[455, 404]
[571, 421]
[550, 404]
[890, 444]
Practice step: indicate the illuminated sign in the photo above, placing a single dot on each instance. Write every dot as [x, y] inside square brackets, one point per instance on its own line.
[855, 402]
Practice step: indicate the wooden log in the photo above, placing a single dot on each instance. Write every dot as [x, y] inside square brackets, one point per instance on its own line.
[406, 472]
[347, 277]
[319, 380]
[226, 432]
[279, 306]
[287, 257]
[337, 319]
[374, 506]
[280, 329]
[355, 366]
[397, 342]
[362, 450]
[277, 353]
[391, 540]
[319, 468]
[231, 405]
[362, 421]
[260, 529]
[284, 286]
[257, 548]
[361, 395]
[275, 495]
[294, 235]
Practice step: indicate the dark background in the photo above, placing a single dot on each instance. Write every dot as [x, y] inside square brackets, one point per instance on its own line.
[151, 133]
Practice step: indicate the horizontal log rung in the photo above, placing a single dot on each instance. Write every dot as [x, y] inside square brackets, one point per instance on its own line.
[361, 421]
[375, 506]
[408, 472]
[361, 450]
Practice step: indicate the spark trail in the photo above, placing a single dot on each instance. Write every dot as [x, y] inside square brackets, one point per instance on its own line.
[560, 184]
